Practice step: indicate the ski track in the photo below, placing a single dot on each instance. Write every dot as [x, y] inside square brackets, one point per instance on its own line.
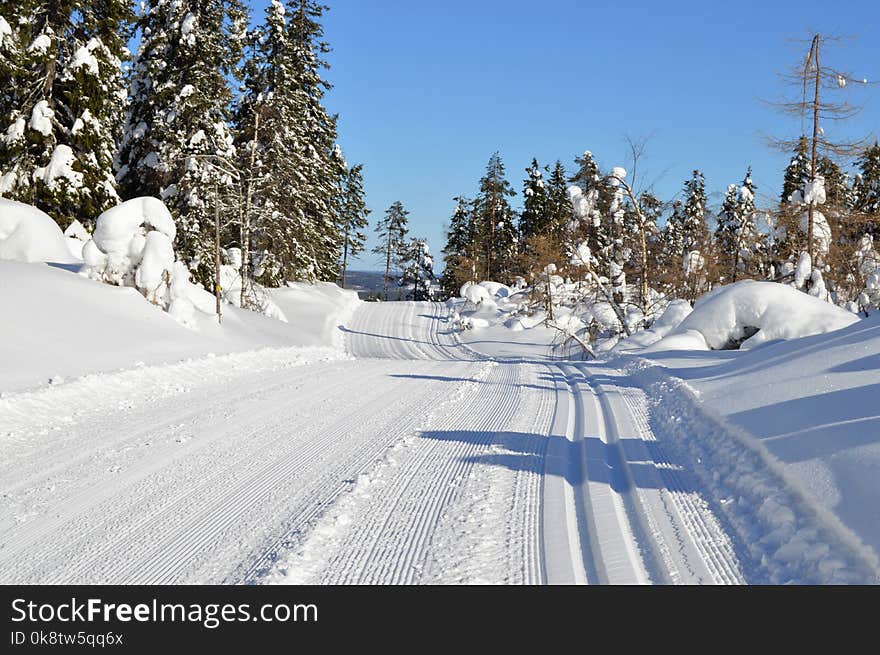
[411, 460]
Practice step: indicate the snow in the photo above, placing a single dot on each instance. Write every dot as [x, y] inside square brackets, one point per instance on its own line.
[83, 57]
[806, 406]
[41, 44]
[748, 314]
[15, 131]
[65, 324]
[41, 118]
[29, 235]
[755, 466]
[188, 29]
[821, 230]
[60, 167]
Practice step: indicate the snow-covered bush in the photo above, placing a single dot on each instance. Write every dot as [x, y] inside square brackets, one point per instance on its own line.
[749, 313]
[29, 235]
[133, 246]
[256, 296]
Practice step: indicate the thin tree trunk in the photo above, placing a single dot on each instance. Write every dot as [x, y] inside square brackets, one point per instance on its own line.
[217, 250]
[387, 265]
[810, 210]
[345, 256]
[246, 219]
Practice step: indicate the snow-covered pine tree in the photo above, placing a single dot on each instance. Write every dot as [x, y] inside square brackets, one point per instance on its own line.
[321, 166]
[353, 215]
[177, 125]
[736, 236]
[797, 172]
[418, 269]
[673, 234]
[559, 210]
[867, 187]
[495, 222]
[62, 103]
[695, 232]
[392, 230]
[533, 219]
[458, 254]
[594, 230]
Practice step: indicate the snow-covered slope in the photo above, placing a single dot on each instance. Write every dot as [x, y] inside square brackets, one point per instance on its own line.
[810, 407]
[57, 324]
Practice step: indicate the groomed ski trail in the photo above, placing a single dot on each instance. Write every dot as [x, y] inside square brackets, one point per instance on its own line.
[413, 460]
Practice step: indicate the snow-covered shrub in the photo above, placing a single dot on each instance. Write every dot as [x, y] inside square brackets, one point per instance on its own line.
[749, 313]
[29, 235]
[133, 246]
[256, 296]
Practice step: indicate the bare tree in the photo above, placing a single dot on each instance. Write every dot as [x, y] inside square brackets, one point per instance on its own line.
[814, 79]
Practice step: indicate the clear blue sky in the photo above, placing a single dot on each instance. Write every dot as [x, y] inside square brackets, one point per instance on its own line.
[426, 91]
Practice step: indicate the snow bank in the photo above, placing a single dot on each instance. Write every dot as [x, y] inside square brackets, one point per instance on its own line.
[748, 313]
[29, 235]
[676, 311]
[810, 407]
[62, 325]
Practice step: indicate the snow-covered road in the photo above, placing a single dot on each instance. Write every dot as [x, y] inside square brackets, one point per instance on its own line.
[417, 460]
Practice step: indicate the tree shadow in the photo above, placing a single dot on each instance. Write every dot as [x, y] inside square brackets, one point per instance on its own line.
[578, 462]
[815, 426]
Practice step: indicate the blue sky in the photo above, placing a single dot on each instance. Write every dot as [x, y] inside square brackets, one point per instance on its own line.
[426, 91]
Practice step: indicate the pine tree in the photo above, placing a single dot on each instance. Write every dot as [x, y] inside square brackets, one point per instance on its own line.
[459, 252]
[694, 229]
[177, 124]
[866, 190]
[353, 217]
[392, 230]
[418, 269]
[867, 186]
[534, 218]
[559, 213]
[797, 171]
[736, 235]
[594, 230]
[62, 104]
[495, 222]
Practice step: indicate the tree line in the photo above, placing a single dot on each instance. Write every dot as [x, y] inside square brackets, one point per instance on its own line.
[208, 114]
[644, 250]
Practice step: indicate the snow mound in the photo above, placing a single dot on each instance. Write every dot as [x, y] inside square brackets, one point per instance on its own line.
[477, 294]
[749, 313]
[29, 235]
[676, 311]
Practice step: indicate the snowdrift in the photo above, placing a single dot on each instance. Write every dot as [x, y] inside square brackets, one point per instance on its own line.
[29, 235]
[57, 325]
[749, 313]
[811, 404]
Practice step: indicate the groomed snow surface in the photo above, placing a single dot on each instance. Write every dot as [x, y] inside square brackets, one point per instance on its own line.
[400, 448]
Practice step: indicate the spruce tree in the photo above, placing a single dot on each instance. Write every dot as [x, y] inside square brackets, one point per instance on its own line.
[459, 252]
[736, 235]
[866, 190]
[867, 186]
[797, 171]
[62, 103]
[533, 220]
[495, 222]
[392, 230]
[559, 213]
[418, 269]
[353, 215]
[694, 228]
[177, 127]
